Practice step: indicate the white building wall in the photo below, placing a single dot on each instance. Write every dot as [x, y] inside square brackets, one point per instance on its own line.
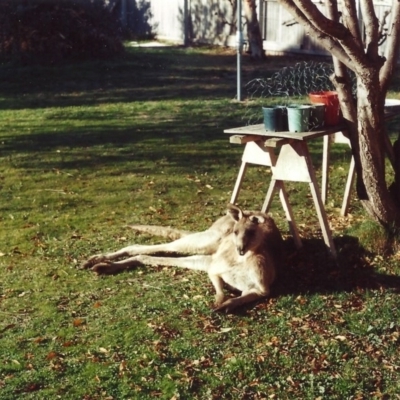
[202, 21]
[168, 19]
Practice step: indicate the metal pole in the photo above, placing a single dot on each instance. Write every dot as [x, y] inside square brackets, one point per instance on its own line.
[239, 38]
[124, 14]
[186, 23]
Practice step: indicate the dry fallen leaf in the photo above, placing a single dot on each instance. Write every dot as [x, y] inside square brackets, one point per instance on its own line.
[51, 355]
[78, 322]
[123, 366]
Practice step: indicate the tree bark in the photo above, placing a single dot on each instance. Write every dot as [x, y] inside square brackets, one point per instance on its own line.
[379, 203]
[253, 30]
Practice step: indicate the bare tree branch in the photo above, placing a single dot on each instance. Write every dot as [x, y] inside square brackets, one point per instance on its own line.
[350, 20]
[327, 41]
[392, 48]
[319, 21]
[341, 79]
[342, 83]
[334, 36]
[371, 23]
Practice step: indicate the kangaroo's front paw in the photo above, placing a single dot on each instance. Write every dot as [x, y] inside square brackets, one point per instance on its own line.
[227, 306]
[92, 261]
[219, 299]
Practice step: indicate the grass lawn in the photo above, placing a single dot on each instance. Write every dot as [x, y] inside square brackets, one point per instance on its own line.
[88, 148]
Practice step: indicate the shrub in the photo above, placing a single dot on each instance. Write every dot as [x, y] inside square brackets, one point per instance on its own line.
[49, 31]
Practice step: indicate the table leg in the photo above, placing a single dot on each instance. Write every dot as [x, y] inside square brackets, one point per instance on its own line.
[279, 185]
[239, 181]
[254, 153]
[347, 190]
[294, 164]
[325, 167]
[321, 213]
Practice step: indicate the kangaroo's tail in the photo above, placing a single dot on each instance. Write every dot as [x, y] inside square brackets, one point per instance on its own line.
[163, 231]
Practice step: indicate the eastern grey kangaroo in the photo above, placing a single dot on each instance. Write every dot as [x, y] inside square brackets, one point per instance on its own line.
[242, 249]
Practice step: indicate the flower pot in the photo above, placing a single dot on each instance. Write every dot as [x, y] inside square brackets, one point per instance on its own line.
[317, 116]
[332, 108]
[275, 118]
[269, 118]
[298, 117]
[282, 119]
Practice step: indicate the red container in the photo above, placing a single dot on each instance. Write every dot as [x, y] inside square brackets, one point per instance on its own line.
[332, 109]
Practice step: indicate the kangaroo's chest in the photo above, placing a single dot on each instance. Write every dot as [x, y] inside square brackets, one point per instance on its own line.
[239, 272]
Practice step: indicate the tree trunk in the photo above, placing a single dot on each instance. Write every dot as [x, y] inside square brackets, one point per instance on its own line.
[372, 147]
[253, 30]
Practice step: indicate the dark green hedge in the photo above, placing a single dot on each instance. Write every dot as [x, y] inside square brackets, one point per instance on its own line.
[53, 31]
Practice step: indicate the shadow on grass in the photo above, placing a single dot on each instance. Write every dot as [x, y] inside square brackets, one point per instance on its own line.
[174, 146]
[175, 140]
[312, 270]
[149, 75]
[140, 75]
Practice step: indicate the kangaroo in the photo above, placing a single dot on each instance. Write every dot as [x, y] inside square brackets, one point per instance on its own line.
[242, 249]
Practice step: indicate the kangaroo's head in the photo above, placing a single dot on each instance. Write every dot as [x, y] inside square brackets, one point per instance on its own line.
[246, 229]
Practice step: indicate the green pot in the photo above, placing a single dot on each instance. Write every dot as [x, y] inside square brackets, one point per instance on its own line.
[298, 117]
[275, 119]
[317, 116]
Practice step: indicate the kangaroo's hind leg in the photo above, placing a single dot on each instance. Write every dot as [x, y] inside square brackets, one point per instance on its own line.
[195, 243]
[196, 262]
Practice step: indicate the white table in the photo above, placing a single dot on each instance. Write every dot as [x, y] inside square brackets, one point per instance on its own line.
[293, 163]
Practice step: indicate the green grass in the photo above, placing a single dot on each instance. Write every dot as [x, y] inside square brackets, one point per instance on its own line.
[86, 149]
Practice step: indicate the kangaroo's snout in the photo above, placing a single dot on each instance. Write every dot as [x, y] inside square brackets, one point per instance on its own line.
[242, 244]
[244, 237]
[240, 250]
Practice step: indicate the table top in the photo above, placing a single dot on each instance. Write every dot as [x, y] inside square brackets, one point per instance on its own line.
[259, 130]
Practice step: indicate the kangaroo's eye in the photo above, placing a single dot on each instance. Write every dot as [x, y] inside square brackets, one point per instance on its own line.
[236, 232]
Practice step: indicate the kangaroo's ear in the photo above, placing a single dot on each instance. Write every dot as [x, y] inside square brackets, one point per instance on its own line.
[235, 212]
[257, 219]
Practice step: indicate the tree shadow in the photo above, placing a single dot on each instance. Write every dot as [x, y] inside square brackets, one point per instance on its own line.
[135, 17]
[141, 74]
[94, 145]
[199, 27]
[313, 270]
